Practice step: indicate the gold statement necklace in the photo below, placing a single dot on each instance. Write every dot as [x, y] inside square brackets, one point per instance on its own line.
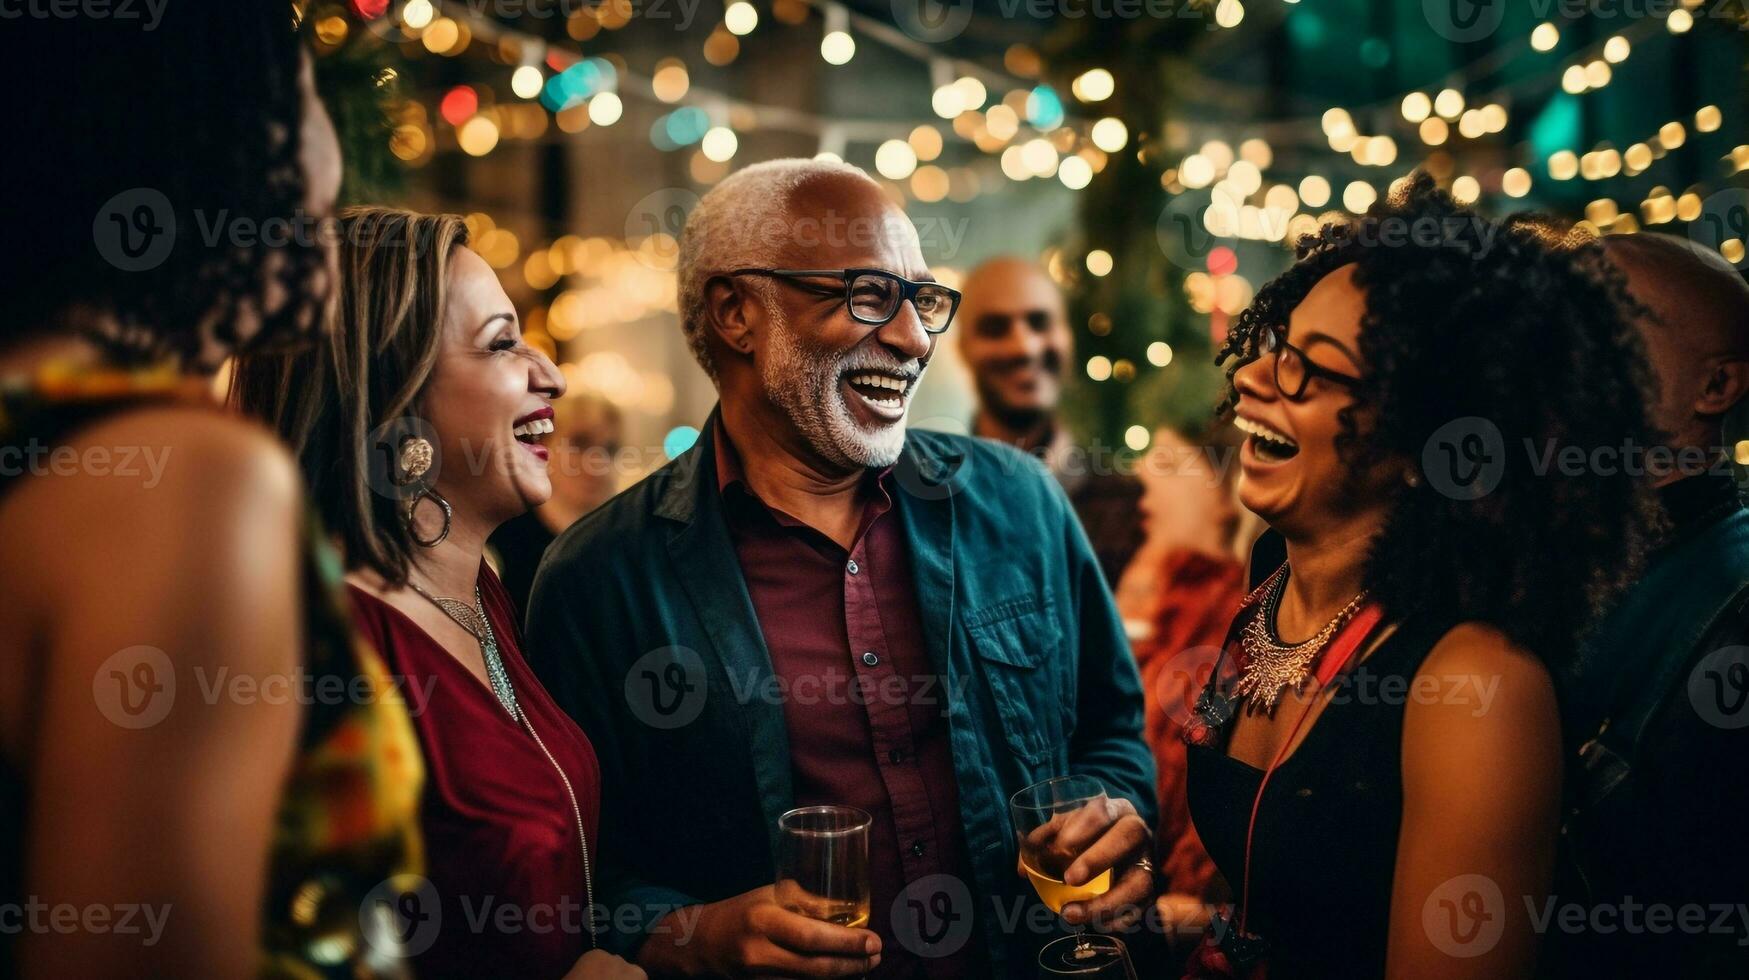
[1272, 666]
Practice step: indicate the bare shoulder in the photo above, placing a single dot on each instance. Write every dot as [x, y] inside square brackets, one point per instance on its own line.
[190, 496]
[1496, 700]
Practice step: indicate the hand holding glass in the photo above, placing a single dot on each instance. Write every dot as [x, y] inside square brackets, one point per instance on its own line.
[822, 864]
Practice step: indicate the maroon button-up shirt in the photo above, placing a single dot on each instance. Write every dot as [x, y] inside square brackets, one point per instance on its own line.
[865, 709]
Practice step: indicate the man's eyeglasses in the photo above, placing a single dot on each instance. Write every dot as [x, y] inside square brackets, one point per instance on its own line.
[873, 296]
[1294, 371]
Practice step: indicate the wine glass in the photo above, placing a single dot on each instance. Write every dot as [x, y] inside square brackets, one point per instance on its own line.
[822, 864]
[1040, 812]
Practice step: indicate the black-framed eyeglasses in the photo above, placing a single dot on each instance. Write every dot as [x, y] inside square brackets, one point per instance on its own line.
[873, 296]
[1294, 371]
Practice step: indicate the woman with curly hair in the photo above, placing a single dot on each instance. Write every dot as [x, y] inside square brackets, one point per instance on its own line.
[1376, 763]
[196, 760]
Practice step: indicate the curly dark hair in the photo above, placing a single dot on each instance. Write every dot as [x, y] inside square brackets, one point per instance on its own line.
[1508, 322]
[127, 125]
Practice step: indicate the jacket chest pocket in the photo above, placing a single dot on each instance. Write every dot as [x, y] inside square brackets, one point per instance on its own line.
[1018, 646]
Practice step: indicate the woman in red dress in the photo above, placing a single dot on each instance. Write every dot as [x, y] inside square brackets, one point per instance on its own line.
[419, 427]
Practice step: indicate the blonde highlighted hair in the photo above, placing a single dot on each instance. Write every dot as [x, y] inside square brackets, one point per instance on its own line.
[333, 402]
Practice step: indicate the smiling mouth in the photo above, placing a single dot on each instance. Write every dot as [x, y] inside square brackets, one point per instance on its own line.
[529, 433]
[1269, 445]
[884, 394]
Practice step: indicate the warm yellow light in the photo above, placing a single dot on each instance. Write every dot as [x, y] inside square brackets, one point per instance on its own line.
[1099, 262]
[1672, 135]
[1228, 13]
[1197, 171]
[670, 80]
[526, 82]
[477, 136]
[1110, 134]
[1159, 353]
[1616, 49]
[1466, 189]
[740, 17]
[895, 159]
[1315, 191]
[1707, 119]
[1094, 85]
[1679, 22]
[971, 92]
[926, 140]
[1358, 196]
[1449, 103]
[1416, 106]
[418, 14]
[719, 144]
[837, 48]
[1099, 367]
[1545, 37]
[1563, 165]
[1515, 182]
[1434, 131]
[605, 109]
[1573, 80]
[1136, 437]
[1075, 173]
[1597, 74]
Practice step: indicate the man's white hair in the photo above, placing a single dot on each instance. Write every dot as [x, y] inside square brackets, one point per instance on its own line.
[738, 225]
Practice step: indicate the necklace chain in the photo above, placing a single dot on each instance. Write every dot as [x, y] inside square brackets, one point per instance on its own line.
[473, 619]
[1273, 666]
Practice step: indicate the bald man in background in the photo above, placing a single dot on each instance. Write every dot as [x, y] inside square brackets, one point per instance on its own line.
[1658, 706]
[1017, 345]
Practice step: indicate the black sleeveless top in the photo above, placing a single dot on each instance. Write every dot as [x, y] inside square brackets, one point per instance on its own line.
[1325, 848]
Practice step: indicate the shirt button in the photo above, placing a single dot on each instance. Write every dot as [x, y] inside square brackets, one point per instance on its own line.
[917, 849]
[896, 756]
[871, 658]
[852, 567]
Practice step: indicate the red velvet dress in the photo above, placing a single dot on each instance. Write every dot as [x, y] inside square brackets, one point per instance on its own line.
[500, 834]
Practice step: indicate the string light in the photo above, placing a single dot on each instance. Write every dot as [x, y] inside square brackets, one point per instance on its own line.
[837, 47]
[1093, 85]
[526, 82]
[1110, 134]
[740, 18]
[1545, 37]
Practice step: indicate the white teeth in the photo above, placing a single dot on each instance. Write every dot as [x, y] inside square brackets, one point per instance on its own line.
[535, 427]
[879, 381]
[1261, 431]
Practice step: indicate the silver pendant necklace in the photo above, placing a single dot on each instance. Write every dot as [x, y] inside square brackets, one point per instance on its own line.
[473, 619]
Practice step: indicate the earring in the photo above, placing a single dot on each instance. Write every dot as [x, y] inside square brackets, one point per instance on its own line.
[427, 493]
[414, 463]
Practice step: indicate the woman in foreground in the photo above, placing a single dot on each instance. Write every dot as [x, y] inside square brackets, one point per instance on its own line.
[419, 427]
[1376, 766]
[166, 603]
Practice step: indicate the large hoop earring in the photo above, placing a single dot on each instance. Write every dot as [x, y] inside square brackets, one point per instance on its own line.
[427, 493]
[415, 462]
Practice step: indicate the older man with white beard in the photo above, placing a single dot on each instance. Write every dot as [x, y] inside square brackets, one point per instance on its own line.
[813, 606]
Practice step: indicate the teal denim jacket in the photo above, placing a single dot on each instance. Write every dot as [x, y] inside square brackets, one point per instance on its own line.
[641, 627]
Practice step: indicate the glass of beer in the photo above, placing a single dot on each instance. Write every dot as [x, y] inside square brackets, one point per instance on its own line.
[1040, 812]
[822, 864]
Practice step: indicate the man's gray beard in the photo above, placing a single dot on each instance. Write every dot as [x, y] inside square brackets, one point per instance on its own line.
[804, 383]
